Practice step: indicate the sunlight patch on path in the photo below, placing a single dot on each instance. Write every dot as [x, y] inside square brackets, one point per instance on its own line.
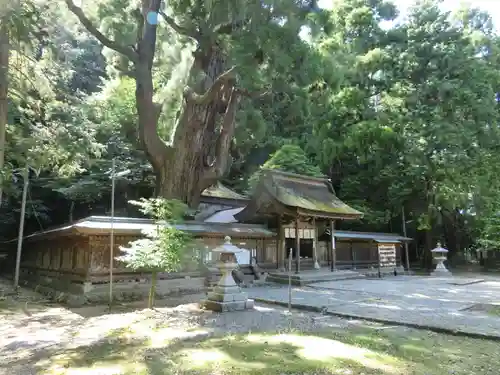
[324, 350]
[206, 358]
[104, 370]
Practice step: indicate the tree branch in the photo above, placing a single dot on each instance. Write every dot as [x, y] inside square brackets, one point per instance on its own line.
[179, 29]
[228, 27]
[253, 94]
[205, 98]
[78, 12]
[126, 72]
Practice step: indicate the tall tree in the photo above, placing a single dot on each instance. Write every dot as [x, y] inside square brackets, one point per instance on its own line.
[47, 127]
[4, 81]
[18, 29]
[414, 113]
[198, 154]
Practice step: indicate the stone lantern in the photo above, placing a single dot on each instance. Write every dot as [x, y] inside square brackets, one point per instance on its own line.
[439, 254]
[227, 295]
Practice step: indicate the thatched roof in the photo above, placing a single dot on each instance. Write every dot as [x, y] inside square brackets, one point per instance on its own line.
[295, 195]
[220, 191]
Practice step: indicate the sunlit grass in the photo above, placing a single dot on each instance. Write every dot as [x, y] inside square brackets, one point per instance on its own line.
[494, 310]
[489, 309]
[355, 351]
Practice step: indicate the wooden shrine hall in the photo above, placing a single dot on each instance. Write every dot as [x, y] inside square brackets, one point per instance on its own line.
[286, 213]
[300, 209]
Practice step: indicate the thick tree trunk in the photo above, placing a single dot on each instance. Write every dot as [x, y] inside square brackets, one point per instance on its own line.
[4, 80]
[199, 154]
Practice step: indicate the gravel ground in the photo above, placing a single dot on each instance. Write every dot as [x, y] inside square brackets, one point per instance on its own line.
[429, 303]
[33, 331]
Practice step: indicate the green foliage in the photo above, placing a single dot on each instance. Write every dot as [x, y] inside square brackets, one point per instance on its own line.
[160, 251]
[164, 247]
[289, 158]
[411, 119]
[489, 238]
[398, 117]
[160, 209]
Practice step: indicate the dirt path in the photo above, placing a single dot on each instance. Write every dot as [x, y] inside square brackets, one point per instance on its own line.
[42, 338]
[39, 337]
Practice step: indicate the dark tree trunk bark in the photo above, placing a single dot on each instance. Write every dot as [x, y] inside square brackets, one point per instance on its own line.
[427, 255]
[4, 80]
[201, 142]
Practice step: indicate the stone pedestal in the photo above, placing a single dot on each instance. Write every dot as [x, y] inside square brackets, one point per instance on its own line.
[441, 269]
[247, 304]
[227, 295]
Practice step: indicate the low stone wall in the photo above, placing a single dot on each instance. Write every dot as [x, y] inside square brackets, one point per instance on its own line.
[76, 289]
[61, 281]
[137, 290]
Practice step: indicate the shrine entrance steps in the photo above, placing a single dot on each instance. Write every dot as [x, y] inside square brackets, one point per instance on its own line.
[312, 276]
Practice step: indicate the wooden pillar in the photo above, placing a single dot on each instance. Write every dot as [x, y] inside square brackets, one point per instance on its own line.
[407, 253]
[51, 258]
[61, 256]
[297, 246]
[315, 245]
[332, 246]
[352, 256]
[378, 260]
[281, 245]
[329, 255]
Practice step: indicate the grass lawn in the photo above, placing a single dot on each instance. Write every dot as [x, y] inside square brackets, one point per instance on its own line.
[356, 351]
[490, 309]
[494, 310]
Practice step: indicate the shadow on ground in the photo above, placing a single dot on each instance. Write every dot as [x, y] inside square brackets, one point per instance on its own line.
[357, 351]
[13, 306]
[92, 311]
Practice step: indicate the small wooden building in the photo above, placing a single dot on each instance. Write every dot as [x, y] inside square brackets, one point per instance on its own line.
[298, 207]
[76, 258]
[362, 250]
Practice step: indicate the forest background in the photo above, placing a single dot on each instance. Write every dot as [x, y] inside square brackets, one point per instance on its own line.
[185, 94]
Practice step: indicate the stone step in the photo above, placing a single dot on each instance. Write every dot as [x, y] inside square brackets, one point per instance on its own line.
[383, 272]
[311, 277]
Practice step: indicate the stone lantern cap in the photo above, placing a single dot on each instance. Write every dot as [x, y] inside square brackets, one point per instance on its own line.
[227, 247]
[439, 249]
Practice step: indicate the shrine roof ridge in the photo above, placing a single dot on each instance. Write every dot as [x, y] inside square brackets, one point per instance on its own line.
[284, 193]
[221, 191]
[124, 225]
[295, 175]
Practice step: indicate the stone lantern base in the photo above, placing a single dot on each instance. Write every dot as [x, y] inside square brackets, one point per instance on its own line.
[227, 295]
[230, 298]
[441, 269]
